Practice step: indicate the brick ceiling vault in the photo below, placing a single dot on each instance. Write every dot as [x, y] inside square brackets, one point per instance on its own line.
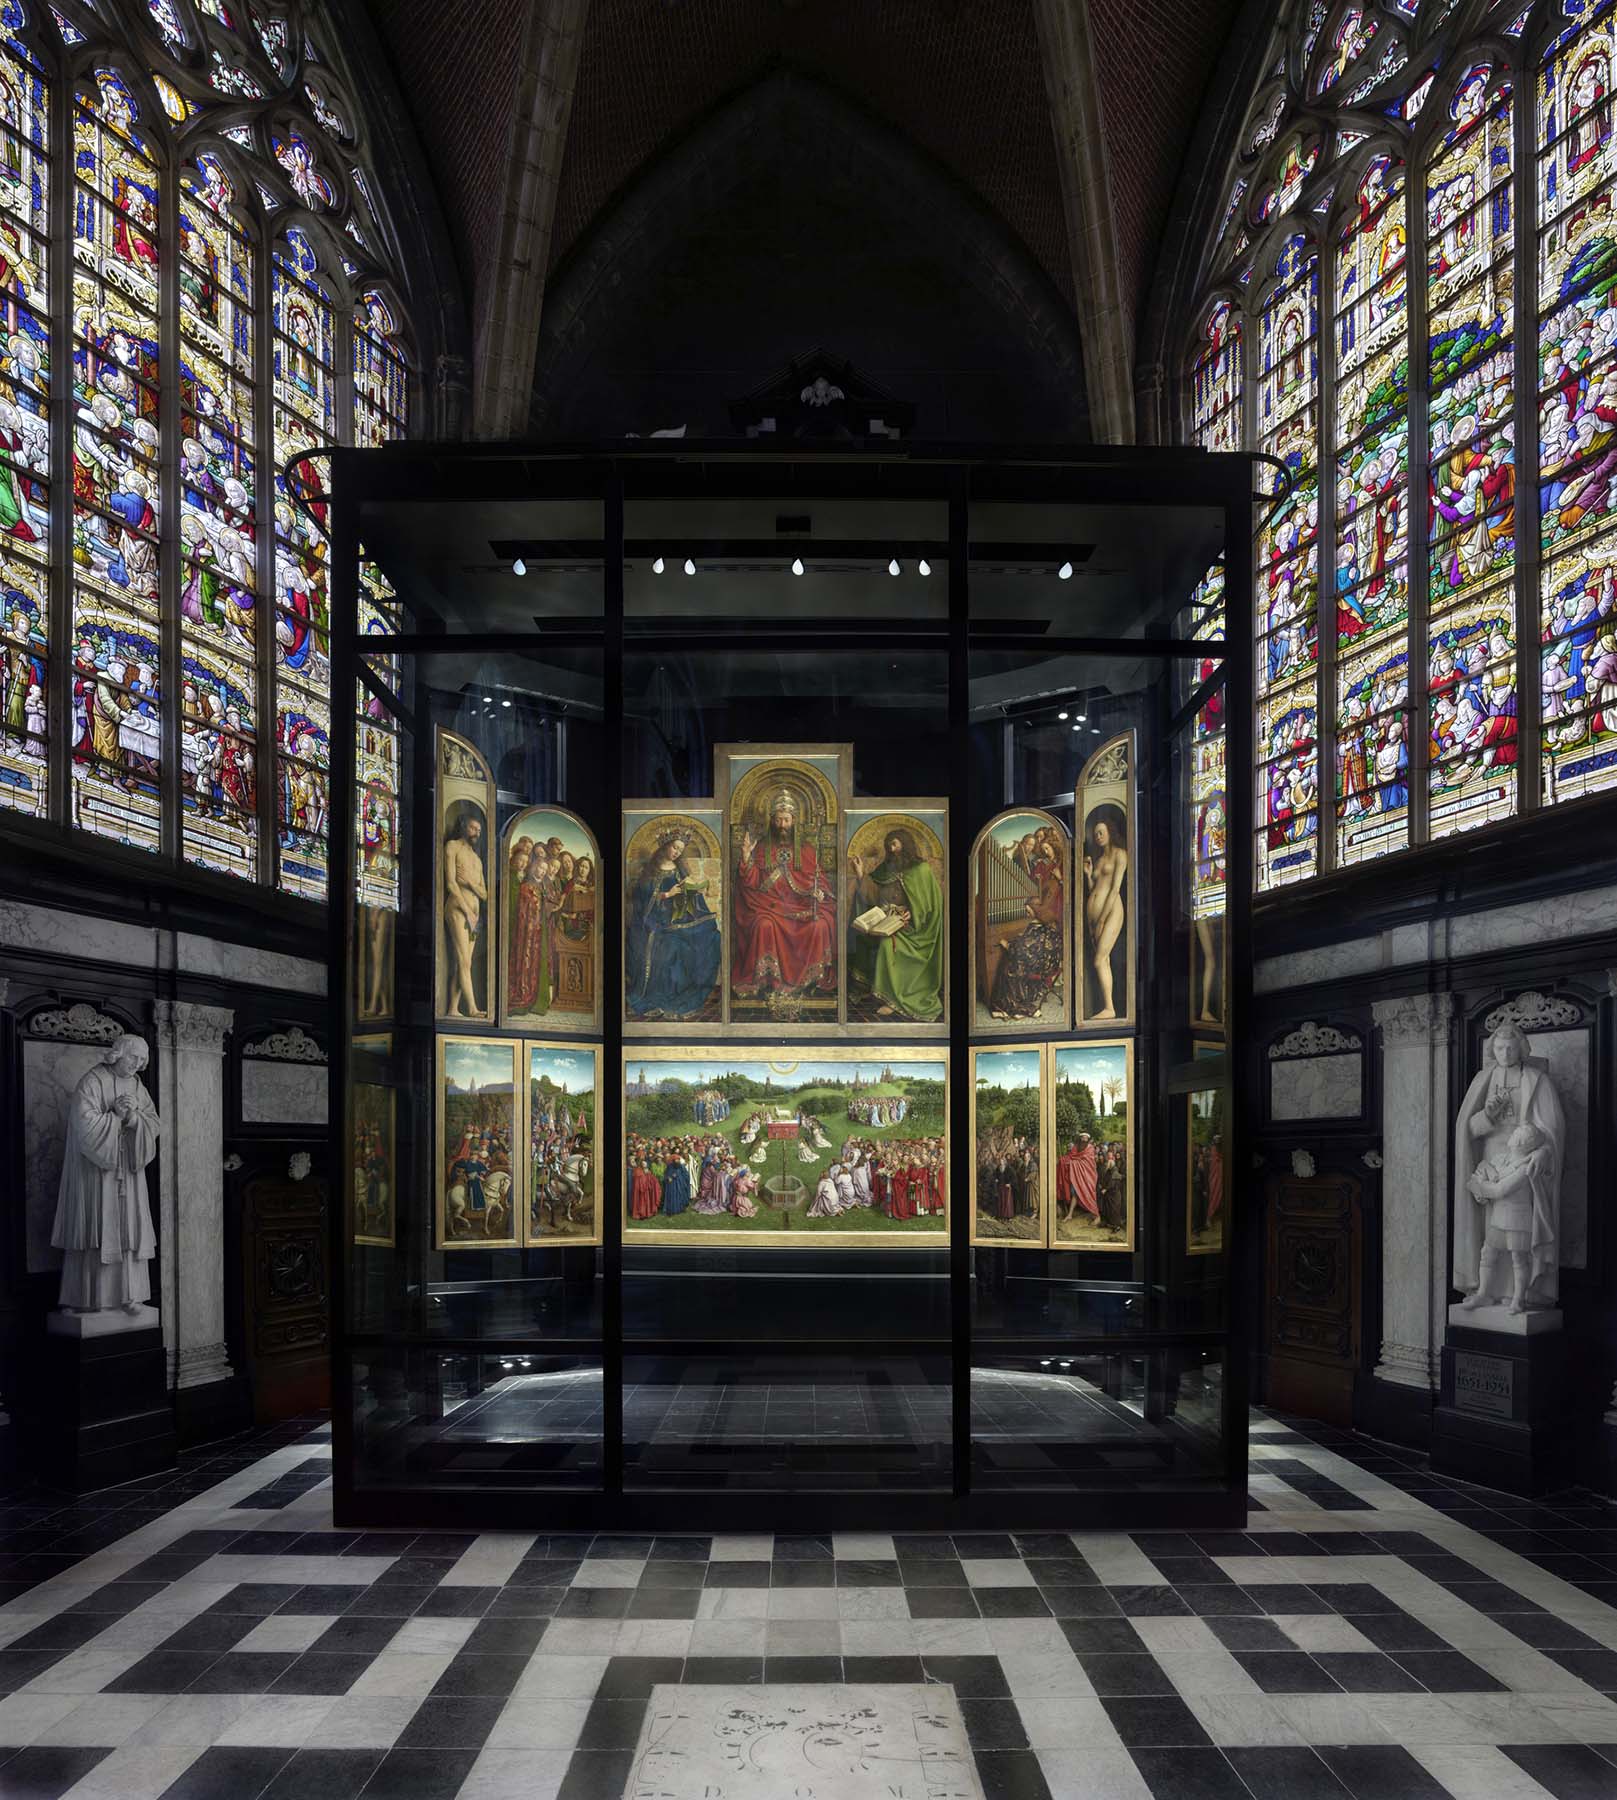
[1066, 118]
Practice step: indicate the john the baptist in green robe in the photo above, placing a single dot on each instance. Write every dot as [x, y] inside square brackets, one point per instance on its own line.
[904, 971]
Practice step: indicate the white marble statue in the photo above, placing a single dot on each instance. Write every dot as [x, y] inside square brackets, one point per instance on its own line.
[103, 1218]
[1509, 1145]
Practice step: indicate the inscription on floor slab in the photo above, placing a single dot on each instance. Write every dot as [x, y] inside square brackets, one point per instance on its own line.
[831, 1742]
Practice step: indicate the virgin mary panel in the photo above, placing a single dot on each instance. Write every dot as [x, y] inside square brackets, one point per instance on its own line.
[673, 864]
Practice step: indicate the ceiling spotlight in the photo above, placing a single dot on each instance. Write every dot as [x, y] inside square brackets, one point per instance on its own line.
[797, 565]
[519, 567]
[505, 703]
[924, 566]
[1061, 715]
[1083, 718]
[1078, 727]
[690, 567]
[892, 567]
[1064, 573]
[657, 566]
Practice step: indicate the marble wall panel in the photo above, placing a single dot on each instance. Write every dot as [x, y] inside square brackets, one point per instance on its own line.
[50, 1072]
[255, 968]
[278, 1093]
[1316, 1087]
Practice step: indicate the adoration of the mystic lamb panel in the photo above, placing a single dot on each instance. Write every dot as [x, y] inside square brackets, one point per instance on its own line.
[897, 912]
[1105, 814]
[1021, 926]
[808, 1145]
[1092, 1135]
[673, 913]
[464, 961]
[783, 806]
[1205, 1202]
[549, 921]
[1008, 1148]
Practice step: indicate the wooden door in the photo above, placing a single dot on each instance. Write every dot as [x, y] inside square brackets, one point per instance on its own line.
[1313, 1326]
[286, 1299]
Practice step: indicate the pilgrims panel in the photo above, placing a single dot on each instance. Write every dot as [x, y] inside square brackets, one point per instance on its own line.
[1009, 1148]
[898, 913]
[673, 913]
[802, 1146]
[783, 807]
[1105, 817]
[462, 889]
[1091, 1116]
[549, 921]
[1021, 926]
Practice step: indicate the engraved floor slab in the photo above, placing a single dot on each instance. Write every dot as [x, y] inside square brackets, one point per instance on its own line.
[833, 1741]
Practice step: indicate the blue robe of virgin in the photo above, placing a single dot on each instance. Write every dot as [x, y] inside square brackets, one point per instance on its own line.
[672, 953]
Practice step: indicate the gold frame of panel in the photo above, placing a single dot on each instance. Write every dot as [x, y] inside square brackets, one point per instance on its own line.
[541, 1240]
[456, 787]
[1041, 1241]
[910, 812]
[1130, 1170]
[1101, 785]
[706, 816]
[810, 1050]
[733, 791]
[557, 1018]
[982, 1022]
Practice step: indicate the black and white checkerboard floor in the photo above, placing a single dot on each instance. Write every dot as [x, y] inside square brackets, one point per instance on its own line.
[1376, 1632]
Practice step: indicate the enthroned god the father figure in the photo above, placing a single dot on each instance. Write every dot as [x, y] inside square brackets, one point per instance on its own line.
[103, 1218]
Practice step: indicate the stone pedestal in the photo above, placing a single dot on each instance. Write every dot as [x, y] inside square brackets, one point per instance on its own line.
[1501, 1418]
[95, 1410]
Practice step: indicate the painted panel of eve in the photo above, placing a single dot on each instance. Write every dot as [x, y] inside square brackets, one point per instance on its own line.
[674, 911]
[1206, 1193]
[550, 921]
[897, 909]
[1021, 923]
[563, 1187]
[822, 1146]
[783, 949]
[1091, 1089]
[479, 1101]
[1009, 1148]
[374, 1191]
[463, 888]
[1104, 985]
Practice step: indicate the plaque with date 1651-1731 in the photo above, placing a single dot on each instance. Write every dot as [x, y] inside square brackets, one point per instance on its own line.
[1484, 1384]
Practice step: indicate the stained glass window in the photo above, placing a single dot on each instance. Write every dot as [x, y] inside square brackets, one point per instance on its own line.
[1577, 410]
[1443, 677]
[117, 687]
[25, 490]
[196, 566]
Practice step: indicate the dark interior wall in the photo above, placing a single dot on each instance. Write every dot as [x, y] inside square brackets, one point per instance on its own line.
[790, 219]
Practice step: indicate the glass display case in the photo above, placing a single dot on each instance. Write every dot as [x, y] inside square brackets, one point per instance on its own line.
[796, 925]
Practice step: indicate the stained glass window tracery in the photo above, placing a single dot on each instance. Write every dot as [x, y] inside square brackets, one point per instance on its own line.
[1447, 697]
[185, 637]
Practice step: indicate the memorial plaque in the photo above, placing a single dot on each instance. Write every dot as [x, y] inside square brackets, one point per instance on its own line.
[1484, 1384]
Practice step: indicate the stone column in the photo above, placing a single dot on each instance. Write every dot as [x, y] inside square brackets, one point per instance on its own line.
[191, 1100]
[1414, 1187]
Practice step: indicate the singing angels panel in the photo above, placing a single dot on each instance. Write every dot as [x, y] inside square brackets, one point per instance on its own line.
[1021, 926]
[829, 1146]
[549, 921]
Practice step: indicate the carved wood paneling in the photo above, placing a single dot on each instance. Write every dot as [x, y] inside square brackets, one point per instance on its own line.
[1314, 1288]
[287, 1299]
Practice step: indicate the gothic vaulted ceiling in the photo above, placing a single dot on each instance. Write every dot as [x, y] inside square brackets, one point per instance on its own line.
[963, 79]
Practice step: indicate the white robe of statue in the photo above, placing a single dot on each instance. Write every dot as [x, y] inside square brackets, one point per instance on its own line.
[103, 1218]
[1511, 1089]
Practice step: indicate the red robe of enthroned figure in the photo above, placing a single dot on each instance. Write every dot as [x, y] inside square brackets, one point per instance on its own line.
[784, 913]
[1076, 1180]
